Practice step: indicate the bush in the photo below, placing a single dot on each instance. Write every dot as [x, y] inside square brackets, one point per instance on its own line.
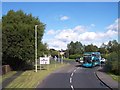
[112, 63]
[104, 55]
[75, 56]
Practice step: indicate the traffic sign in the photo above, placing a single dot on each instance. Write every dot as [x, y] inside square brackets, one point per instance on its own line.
[44, 60]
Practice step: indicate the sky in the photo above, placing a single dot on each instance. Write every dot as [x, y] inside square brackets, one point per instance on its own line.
[86, 22]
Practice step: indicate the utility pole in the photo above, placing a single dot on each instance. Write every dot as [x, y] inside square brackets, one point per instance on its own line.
[36, 48]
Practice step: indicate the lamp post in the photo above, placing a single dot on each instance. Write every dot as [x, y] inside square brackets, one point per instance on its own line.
[36, 48]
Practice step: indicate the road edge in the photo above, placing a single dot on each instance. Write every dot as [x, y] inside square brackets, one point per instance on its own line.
[102, 80]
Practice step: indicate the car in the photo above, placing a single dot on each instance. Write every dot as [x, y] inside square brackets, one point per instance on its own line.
[103, 60]
[77, 59]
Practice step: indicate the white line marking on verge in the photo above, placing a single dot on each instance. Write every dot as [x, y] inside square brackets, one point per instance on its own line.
[72, 87]
[70, 80]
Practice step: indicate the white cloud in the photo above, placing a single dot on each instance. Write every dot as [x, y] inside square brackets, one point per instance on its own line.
[80, 29]
[56, 44]
[82, 34]
[64, 18]
[112, 29]
[50, 32]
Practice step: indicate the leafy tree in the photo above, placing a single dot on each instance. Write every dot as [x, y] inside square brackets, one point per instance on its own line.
[53, 52]
[18, 37]
[112, 46]
[75, 48]
[91, 48]
[113, 64]
[103, 50]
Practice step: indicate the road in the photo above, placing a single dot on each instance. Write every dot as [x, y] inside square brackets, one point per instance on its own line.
[73, 77]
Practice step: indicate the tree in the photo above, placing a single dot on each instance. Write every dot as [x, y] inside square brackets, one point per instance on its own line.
[103, 51]
[53, 52]
[18, 37]
[74, 48]
[91, 48]
[112, 46]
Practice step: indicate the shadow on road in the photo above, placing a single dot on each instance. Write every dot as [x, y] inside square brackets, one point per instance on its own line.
[78, 66]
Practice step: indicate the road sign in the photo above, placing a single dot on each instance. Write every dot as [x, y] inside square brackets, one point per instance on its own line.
[44, 60]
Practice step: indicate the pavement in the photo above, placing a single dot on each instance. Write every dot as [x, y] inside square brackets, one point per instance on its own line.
[10, 79]
[107, 80]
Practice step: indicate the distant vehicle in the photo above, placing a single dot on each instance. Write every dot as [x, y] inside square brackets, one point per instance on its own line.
[103, 60]
[79, 60]
[91, 59]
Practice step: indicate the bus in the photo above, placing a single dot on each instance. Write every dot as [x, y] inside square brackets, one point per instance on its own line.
[91, 59]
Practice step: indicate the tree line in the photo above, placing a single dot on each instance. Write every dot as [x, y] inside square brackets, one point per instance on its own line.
[77, 48]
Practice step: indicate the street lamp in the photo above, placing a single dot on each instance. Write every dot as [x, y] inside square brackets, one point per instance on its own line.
[36, 48]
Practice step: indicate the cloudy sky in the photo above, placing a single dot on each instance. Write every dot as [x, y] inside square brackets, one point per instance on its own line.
[87, 22]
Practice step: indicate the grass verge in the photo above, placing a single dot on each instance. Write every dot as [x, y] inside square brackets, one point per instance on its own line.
[69, 59]
[115, 77]
[30, 79]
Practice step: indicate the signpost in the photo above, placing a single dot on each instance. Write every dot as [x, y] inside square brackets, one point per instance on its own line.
[44, 60]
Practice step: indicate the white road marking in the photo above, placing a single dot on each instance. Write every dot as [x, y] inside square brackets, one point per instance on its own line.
[71, 74]
[72, 87]
[75, 70]
[70, 80]
[78, 67]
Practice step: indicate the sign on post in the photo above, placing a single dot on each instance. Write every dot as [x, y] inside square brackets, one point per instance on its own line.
[44, 60]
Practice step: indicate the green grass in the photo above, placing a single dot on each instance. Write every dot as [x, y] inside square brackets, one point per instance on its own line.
[30, 79]
[68, 59]
[115, 77]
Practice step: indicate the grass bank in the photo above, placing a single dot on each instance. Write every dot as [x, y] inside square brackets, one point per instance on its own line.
[69, 59]
[115, 77]
[30, 79]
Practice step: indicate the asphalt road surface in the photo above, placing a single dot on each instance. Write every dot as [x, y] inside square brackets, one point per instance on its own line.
[73, 77]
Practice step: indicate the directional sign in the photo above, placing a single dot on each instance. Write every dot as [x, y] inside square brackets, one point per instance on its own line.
[44, 60]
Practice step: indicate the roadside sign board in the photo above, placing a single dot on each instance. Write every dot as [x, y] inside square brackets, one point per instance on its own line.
[44, 60]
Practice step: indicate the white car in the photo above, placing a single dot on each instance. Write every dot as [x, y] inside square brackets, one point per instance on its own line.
[103, 60]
